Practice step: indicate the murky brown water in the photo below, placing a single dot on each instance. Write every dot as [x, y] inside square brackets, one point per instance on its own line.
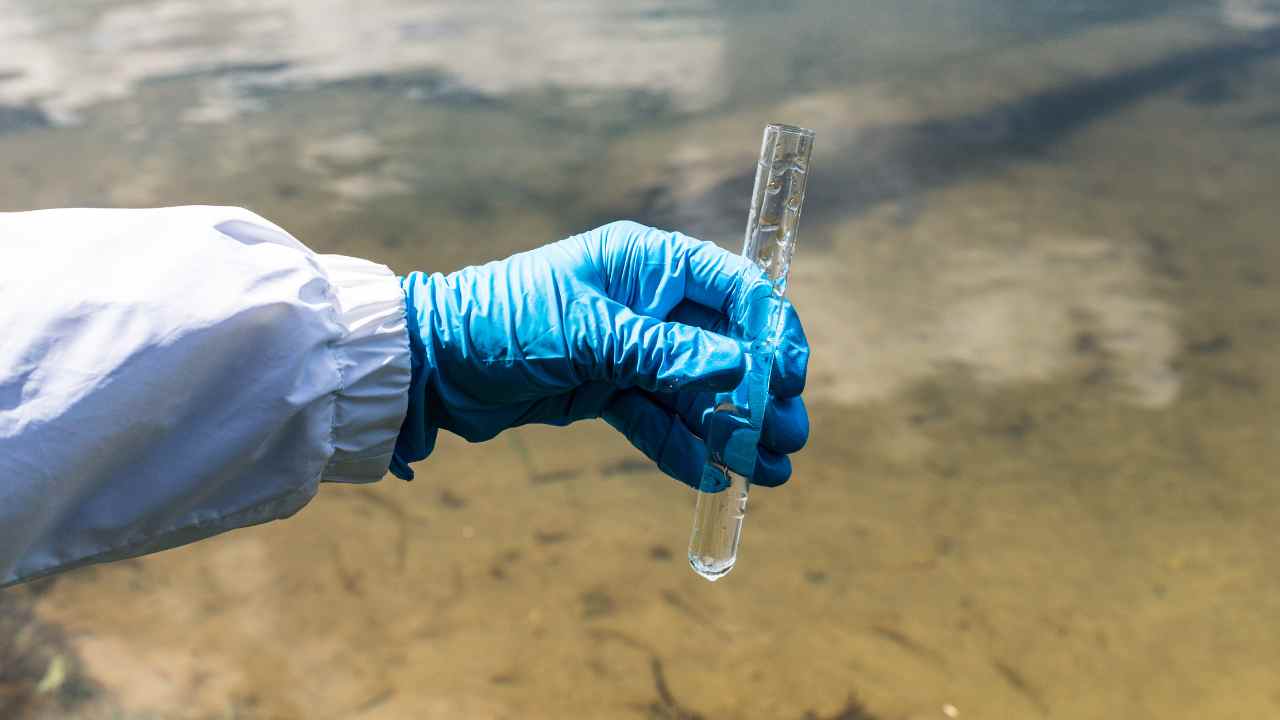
[1038, 268]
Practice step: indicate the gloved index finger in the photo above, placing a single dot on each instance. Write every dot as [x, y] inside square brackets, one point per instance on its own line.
[729, 283]
[631, 350]
[717, 278]
[656, 272]
[792, 359]
[652, 271]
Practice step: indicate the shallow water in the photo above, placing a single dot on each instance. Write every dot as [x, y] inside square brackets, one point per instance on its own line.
[1037, 267]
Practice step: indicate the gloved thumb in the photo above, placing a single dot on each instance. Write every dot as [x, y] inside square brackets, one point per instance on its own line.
[632, 350]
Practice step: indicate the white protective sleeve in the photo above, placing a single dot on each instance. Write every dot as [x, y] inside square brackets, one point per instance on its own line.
[169, 374]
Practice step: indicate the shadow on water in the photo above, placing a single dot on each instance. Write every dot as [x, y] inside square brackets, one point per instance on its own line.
[19, 118]
[237, 71]
[899, 162]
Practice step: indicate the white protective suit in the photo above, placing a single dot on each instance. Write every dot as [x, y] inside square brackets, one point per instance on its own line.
[169, 374]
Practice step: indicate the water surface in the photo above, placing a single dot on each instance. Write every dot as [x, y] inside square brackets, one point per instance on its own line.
[1037, 267]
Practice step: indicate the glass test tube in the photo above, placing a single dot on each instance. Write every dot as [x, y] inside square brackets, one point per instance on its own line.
[734, 429]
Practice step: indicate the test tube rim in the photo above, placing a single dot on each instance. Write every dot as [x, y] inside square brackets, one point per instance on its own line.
[790, 129]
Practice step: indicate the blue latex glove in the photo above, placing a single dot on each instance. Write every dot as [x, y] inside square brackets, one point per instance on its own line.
[624, 322]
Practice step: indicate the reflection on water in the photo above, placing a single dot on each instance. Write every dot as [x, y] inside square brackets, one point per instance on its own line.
[69, 56]
[73, 57]
[1036, 268]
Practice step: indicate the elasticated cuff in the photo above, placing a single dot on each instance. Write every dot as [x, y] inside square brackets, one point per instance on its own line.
[373, 360]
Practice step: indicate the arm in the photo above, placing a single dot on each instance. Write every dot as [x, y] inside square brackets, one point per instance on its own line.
[169, 374]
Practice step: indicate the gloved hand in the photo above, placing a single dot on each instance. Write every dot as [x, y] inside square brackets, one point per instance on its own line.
[624, 322]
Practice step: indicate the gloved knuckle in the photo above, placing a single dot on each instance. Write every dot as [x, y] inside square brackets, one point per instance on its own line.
[624, 229]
